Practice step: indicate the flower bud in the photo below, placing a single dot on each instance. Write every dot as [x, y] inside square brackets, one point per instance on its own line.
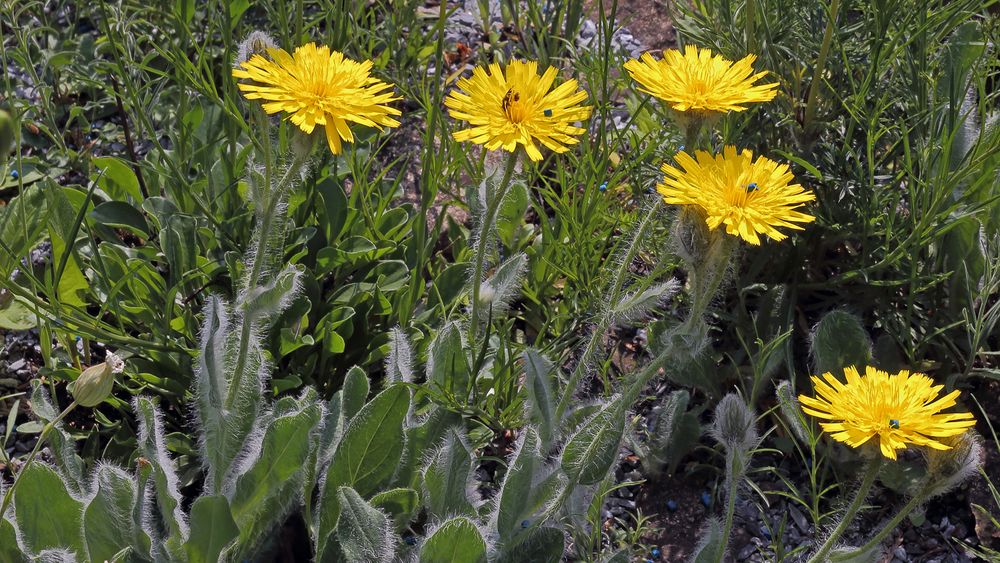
[788, 403]
[734, 425]
[96, 382]
[6, 135]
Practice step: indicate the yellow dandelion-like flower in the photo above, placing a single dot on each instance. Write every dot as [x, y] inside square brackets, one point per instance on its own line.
[900, 409]
[697, 81]
[317, 86]
[514, 106]
[750, 197]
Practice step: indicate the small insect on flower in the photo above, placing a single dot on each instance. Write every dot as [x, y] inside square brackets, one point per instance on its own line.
[899, 409]
[750, 197]
[700, 82]
[515, 106]
[317, 86]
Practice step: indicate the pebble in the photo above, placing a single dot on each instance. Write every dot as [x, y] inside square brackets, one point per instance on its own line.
[746, 552]
[899, 553]
[17, 364]
[800, 519]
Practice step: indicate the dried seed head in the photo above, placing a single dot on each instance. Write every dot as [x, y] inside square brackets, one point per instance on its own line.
[947, 469]
[256, 43]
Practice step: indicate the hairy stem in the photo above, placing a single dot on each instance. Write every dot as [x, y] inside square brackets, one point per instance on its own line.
[263, 233]
[31, 457]
[871, 472]
[731, 483]
[489, 218]
[617, 282]
[877, 539]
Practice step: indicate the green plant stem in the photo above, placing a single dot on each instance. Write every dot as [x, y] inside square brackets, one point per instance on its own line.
[31, 457]
[264, 222]
[824, 52]
[877, 539]
[871, 472]
[730, 504]
[706, 282]
[616, 286]
[489, 218]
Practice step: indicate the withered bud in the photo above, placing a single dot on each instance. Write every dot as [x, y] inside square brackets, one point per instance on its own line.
[947, 469]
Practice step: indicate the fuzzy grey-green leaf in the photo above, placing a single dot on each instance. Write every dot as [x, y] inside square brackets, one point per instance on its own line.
[212, 528]
[107, 520]
[541, 404]
[594, 448]
[54, 523]
[839, 340]
[456, 541]
[363, 531]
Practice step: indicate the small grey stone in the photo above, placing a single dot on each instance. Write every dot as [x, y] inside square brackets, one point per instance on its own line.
[899, 553]
[17, 364]
[746, 552]
[800, 519]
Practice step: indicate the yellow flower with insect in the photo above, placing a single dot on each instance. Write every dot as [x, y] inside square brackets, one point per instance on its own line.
[700, 82]
[317, 86]
[517, 106]
[900, 409]
[750, 197]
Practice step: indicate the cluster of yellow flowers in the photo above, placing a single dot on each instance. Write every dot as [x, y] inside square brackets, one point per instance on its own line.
[515, 106]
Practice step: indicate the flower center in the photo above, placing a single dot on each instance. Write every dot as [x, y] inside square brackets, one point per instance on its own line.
[515, 107]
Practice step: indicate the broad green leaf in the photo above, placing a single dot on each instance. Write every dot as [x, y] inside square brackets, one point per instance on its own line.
[47, 515]
[594, 448]
[542, 544]
[446, 479]
[363, 531]
[179, 242]
[9, 551]
[447, 365]
[541, 404]
[366, 457]
[355, 391]
[457, 541]
[116, 178]
[516, 498]
[152, 446]
[212, 528]
[370, 449]
[107, 520]
[401, 504]
[22, 227]
[272, 481]
[15, 314]
[121, 215]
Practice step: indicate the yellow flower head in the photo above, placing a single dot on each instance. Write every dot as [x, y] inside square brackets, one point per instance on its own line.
[900, 409]
[514, 106]
[698, 82]
[317, 86]
[750, 197]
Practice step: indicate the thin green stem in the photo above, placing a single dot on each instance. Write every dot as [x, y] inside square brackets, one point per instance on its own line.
[877, 539]
[264, 221]
[31, 457]
[489, 218]
[824, 52]
[871, 472]
[707, 280]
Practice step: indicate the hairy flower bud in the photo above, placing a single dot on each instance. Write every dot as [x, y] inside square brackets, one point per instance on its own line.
[96, 382]
[734, 425]
[791, 410]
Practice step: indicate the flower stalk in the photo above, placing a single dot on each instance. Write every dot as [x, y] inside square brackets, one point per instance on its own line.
[485, 232]
[871, 473]
[31, 456]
